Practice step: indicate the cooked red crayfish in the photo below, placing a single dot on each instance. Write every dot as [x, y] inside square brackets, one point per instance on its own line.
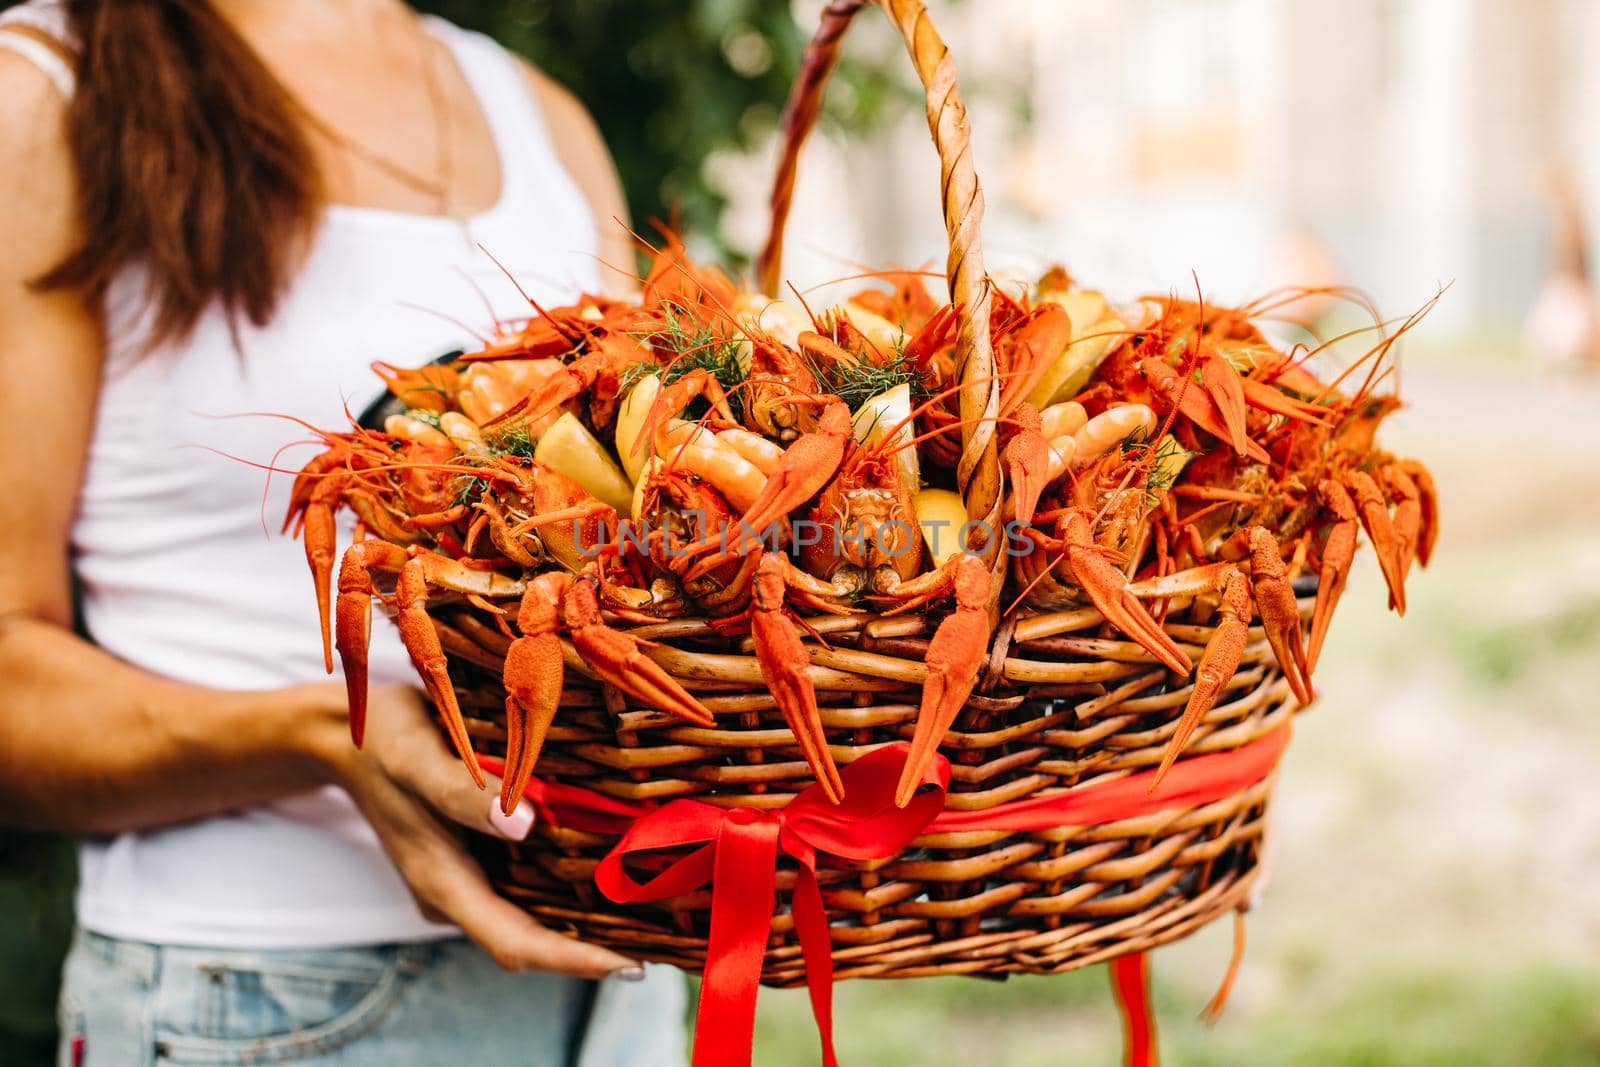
[1160, 458]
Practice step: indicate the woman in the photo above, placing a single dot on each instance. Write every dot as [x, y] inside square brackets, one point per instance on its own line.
[219, 207]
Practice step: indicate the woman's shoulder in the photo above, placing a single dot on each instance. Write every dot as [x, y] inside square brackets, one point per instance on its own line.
[33, 109]
[37, 182]
[35, 78]
[37, 34]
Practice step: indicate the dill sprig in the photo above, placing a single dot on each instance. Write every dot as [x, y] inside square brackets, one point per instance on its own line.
[689, 345]
[512, 441]
[468, 488]
[1166, 462]
[858, 382]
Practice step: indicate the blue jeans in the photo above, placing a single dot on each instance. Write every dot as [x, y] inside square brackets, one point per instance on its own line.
[431, 1004]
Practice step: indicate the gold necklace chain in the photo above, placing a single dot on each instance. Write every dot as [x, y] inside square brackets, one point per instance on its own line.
[439, 188]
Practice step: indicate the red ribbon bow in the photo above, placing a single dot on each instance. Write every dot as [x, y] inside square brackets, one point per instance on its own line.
[738, 858]
[739, 850]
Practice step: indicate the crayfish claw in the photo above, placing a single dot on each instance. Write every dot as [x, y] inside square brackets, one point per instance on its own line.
[1337, 552]
[617, 659]
[533, 676]
[805, 467]
[1217, 667]
[955, 654]
[1408, 517]
[1280, 612]
[321, 541]
[1027, 460]
[1221, 382]
[785, 665]
[1108, 591]
[427, 655]
[1374, 512]
[353, 632]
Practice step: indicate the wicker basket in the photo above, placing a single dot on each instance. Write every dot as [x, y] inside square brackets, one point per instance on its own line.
[1060, 704]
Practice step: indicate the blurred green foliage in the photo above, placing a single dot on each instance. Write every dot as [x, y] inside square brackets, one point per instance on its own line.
[670, 82]
[37, 872]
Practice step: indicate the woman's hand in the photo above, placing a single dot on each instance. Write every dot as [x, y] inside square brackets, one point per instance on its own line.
[407, 783]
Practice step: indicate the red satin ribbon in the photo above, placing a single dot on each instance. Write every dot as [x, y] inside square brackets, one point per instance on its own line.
[738, 858]
[1130, 981]
[736, 852]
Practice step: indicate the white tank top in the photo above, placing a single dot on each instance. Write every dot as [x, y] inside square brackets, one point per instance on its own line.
[183, 570]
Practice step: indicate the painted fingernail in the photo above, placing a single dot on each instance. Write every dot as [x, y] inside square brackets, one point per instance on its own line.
[632, 973]
[517, 824]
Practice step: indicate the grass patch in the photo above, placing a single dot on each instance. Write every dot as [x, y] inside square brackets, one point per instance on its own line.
[1504, 655]
[1540, 1017]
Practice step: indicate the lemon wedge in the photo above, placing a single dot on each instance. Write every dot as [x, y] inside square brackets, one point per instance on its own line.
[941, 514]
[1095, 331]
[884, 335]
[781, 319]
[631, 419]
[1170, 459]
[572, 450]
[890, 412]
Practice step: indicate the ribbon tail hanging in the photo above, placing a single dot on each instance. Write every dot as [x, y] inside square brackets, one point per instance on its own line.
[811, 923]
[743, 896]
[1130, 980]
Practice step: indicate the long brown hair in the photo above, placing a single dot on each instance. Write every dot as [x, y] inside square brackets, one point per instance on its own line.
[190, 163]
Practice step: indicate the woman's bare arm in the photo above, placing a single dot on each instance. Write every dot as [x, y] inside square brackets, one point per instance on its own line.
[87, 742]
[91, 744]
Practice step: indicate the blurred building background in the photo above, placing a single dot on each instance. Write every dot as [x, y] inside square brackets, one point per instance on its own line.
[1397, 144]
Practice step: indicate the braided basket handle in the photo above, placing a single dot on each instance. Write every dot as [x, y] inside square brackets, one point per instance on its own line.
[978, 473]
